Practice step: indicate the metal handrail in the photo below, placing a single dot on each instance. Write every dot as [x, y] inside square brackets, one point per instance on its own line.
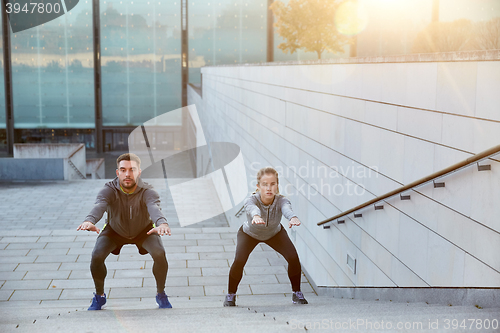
[76, 169]
[473, 159]
[240, 211]
[80, 147]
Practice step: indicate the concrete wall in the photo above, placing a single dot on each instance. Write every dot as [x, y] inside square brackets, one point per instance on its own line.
[29, 169]
[95, 168]
[72, 154]
[44, 150]
[341, 134]
[78, 157]
[195, 132]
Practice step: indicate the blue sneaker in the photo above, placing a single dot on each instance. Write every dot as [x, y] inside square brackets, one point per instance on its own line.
[98, 302]
[162, 301]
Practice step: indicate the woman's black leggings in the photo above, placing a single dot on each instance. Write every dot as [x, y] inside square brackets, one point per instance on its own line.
[279, 242]
[103, 247]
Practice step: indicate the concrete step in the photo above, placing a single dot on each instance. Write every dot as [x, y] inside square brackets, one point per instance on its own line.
[138, 320]
[253, 314]
[353, 315]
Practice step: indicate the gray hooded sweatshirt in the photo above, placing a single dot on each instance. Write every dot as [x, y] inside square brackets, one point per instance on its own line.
[129, 213]
[271, 214]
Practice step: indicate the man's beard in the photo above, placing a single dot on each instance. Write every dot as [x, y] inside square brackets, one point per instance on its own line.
[132, 184]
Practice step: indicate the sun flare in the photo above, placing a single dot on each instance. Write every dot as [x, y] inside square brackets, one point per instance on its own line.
[351, 18]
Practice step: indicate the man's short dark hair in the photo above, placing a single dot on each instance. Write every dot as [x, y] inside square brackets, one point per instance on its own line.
[128, 157]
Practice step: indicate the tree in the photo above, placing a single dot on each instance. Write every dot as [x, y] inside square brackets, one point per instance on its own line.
[53, 66]
[308, 25]
[444, 37]
[76, 65]
[488, 34]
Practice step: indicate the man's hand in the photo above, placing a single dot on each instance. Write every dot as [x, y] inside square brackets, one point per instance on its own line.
[162, 230]
[89, 226]
[294, 222]
[258, 220]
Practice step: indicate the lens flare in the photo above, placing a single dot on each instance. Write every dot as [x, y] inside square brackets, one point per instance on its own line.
[351, 18]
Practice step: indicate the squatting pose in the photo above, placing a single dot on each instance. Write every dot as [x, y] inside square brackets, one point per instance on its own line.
[134, 217]
[264, 209]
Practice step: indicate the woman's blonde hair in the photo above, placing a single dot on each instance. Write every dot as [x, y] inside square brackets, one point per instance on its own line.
[267, 170]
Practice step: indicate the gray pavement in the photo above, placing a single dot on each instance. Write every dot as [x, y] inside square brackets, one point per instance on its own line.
[45, 282]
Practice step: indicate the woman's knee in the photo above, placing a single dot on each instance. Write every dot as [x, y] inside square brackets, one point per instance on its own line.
[238, 264]
[240, 259]
[293, 259]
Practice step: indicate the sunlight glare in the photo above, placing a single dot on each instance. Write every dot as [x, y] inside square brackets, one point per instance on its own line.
[351, 18]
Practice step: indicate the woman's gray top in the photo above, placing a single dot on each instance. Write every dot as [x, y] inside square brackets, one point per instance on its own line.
[271, 214]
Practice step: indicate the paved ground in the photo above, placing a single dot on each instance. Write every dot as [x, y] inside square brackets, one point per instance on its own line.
[46, 285]
[45, 261]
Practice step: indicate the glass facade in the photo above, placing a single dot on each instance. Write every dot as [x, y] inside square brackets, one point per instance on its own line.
[226, 32]
[141, 51]
[2, 91]
[52, 80]
[52, 73]
[3, 133]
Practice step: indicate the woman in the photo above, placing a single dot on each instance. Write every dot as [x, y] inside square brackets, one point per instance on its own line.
[264, 209]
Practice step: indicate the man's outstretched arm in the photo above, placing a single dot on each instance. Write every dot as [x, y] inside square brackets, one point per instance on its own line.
[104, 197]
[152, 200]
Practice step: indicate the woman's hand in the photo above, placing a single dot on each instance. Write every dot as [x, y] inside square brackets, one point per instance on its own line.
[258, 220]
[294, 222]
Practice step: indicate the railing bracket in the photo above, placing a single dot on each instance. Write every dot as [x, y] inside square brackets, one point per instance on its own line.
[379, 207]
[240, 211]
[404, 197]
[438, 184]
[326, 227]
[340, 221]
[485, 167]
[358, 215]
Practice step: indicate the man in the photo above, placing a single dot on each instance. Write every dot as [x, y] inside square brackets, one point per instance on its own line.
[134, 217]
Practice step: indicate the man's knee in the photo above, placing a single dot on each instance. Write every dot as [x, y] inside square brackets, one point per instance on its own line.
[158, 254]
[99, 256]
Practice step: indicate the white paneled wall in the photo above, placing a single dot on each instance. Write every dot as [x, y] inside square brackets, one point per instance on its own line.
[341, 134]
